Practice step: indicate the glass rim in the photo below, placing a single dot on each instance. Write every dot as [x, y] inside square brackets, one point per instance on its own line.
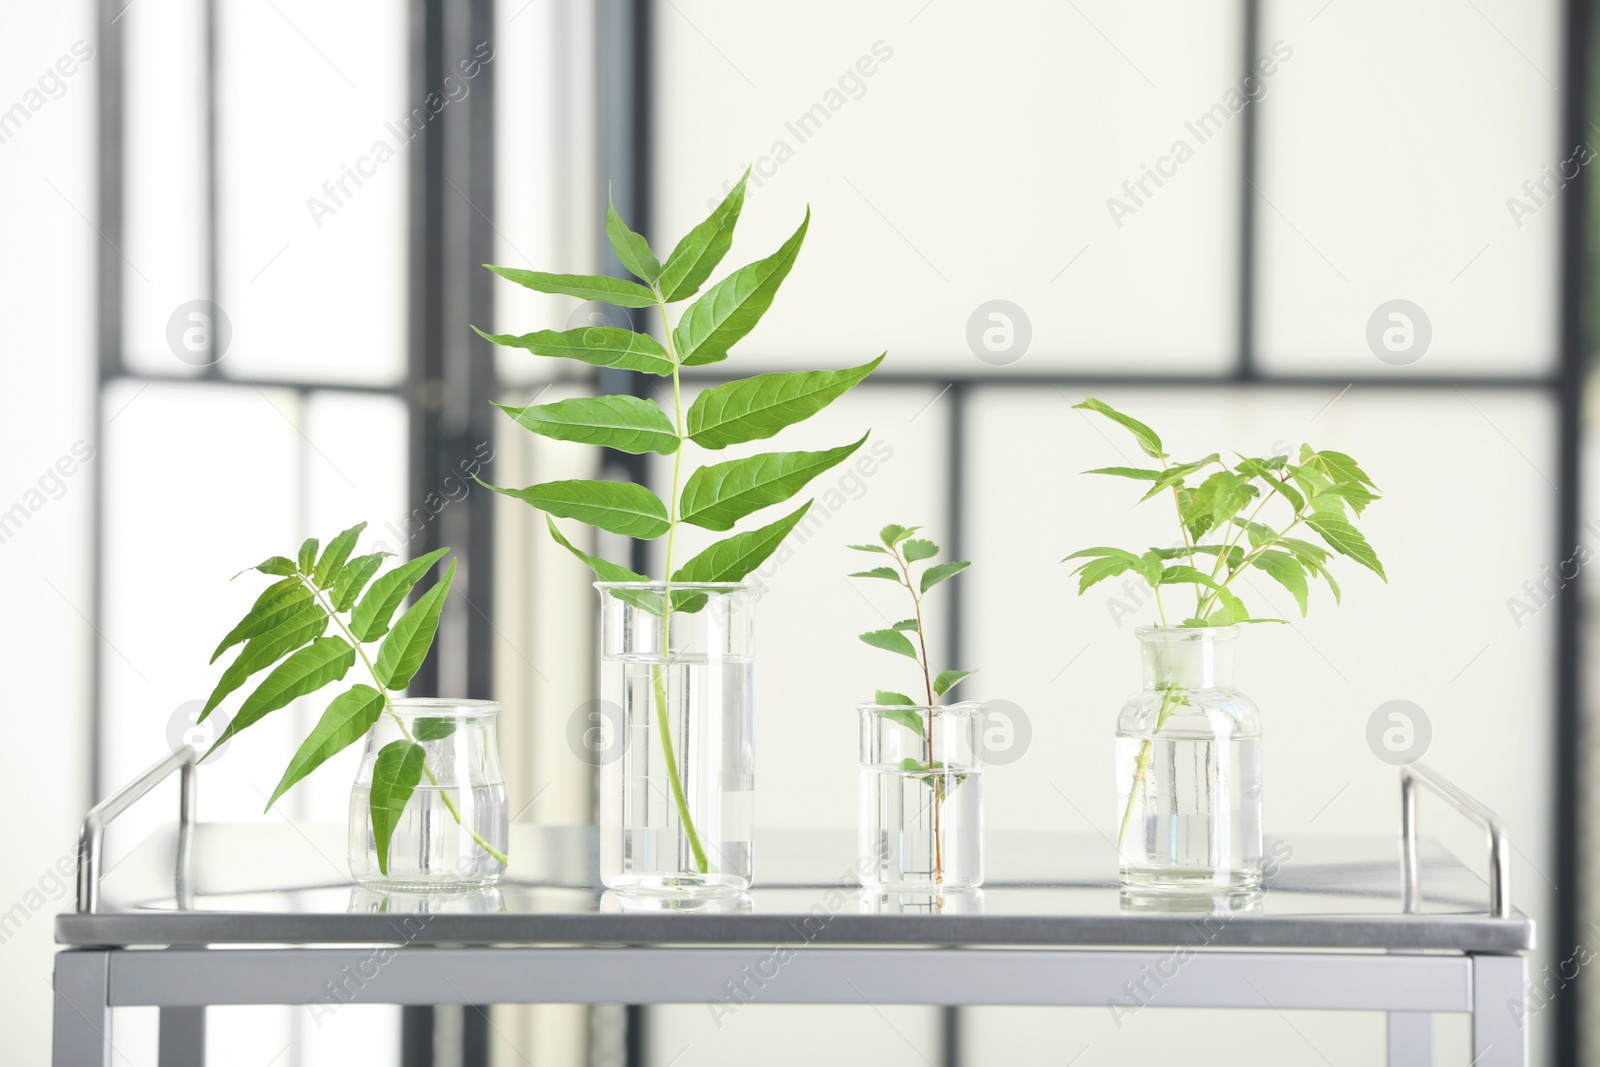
[698, 587]
[441, 707]
[1187, 633]
[963, 706]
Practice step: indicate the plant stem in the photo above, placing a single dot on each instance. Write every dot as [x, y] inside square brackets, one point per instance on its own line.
[658, 671]
[388, 706]
[927, 681]
[1169, 702]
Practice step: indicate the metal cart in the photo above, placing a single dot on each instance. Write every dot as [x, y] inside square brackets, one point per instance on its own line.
[1391, 924]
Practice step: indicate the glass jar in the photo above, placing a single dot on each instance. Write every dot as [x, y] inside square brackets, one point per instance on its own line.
[453, 829]
[921, 794]
[677, 796]
[1189, 767]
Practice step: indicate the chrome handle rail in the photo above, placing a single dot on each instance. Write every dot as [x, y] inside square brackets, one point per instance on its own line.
[91, 841]
[1416, 775]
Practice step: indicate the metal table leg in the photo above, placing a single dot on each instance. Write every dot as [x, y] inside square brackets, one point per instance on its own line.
[1498, 1040]
[183, 1037]
[1410, 1039]
[82, 1009]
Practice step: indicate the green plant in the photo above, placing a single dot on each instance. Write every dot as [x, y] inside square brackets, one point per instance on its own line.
[905, 550]
[285, 630]
[1318, 492]
[714, 497]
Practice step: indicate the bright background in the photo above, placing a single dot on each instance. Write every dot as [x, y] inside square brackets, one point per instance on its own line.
[975, 162]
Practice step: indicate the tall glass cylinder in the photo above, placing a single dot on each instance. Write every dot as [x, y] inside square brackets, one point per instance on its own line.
[921, 794]
[452, 832]
[677, 681]
[1188, 767]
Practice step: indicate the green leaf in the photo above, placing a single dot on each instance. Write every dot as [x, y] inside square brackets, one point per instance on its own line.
[583, 286]
[403, 650]
[1174, 476]
[1183, 574]
[893, 533]
[1328, 504]
[757, 408]
[345, 721]
[279, 565]
[942, 571]
[912, 765]
[354, 577]
[266, 648]
[1284, 488]
[433, 729]
[890, 641]
[1304, 551]
[1102, 550]
[626, 423]
[909, 625]
[1287, 572]
[621, 507]
[947, 680]
[698, 254]
[1346, 540]
[732, 558]
[1256, 468]
[607, 571]
[335, 555]
[1341, 468]
[1098, 570]
[731, 308]
[276, 605]
[1231, 555]
[885, 696]
[370, 619]
[325, 660]
[888, 573]
[1357, 496]
[633, 251]
[1148, 441]
[1232, 610]
[308, 555]
[869, 548]
[394, 778]
[598, 346]
[918, 549]
[604, 569]
[1220, 497]
[905, 716]
[1149, 567]
[1136, 473]
[719, 495]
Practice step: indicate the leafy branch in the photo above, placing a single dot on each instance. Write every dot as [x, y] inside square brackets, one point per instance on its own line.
[905, 550]
[285, 629]
[1318, 493]
[714, 497]
[1226, 504]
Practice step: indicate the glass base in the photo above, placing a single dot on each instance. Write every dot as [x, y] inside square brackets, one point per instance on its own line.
[428, 885]
[922, 885]
[678, 885]
[1186, 880]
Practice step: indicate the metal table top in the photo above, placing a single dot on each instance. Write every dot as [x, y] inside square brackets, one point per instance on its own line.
[278, 884]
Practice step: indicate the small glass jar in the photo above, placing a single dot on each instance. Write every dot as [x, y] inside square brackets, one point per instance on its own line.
[921, 795]
[677, 682]
[453, 830]
[1188, 768]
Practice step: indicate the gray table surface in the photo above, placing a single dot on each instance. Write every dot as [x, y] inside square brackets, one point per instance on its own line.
[280, 884]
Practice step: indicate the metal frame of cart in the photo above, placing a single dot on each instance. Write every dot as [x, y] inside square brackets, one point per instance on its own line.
[1334, 963]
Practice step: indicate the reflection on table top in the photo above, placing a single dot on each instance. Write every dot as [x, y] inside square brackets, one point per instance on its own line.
[283, 884]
